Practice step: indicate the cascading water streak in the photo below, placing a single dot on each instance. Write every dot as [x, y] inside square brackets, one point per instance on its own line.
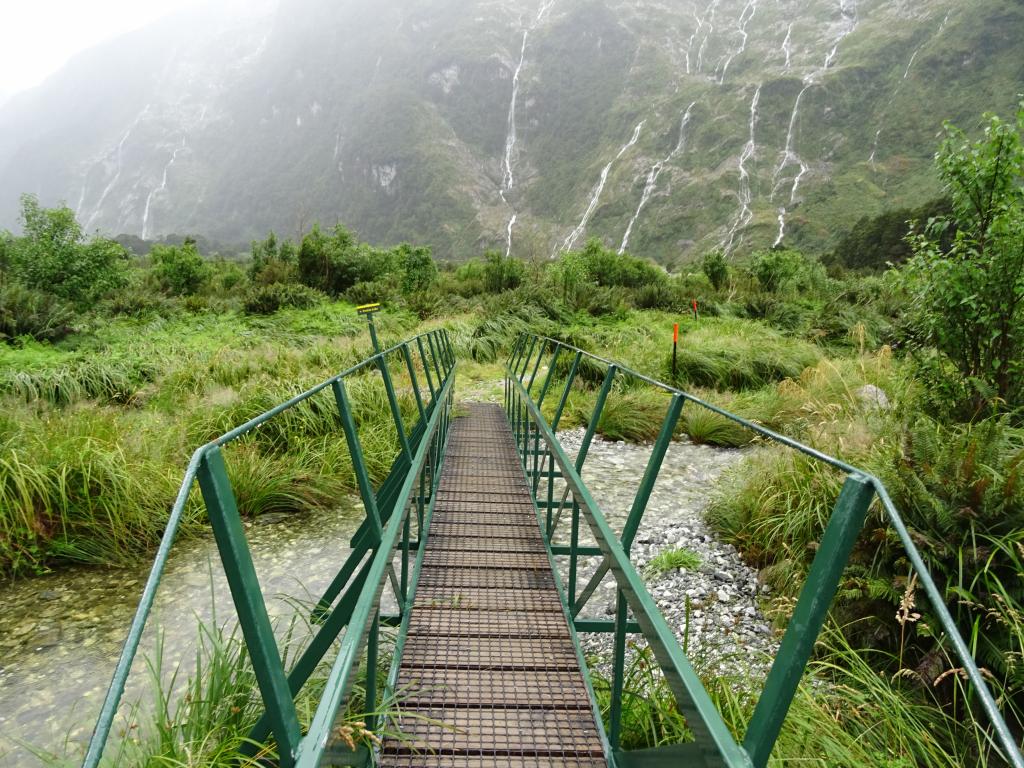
[507, 179]
[741, 26]
[118, 153]
[652, 176]
[745, 214]
[709, 22]
[159, 190]
[787, 45]
[896, 90]
[848, 16]
[595, 196]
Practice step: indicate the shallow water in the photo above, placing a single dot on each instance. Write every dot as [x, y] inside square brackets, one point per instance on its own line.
[60, 634]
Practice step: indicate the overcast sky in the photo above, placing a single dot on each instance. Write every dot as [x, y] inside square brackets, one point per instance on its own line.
[40, 35]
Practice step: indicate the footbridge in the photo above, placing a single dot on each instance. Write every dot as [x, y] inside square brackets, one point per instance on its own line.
[451, 628]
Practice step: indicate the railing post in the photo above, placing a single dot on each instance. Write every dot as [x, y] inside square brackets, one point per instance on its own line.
[588, 437]
[550, 376]
[435, 360]
[371, 672]
[249, 604]
[536, 366]
[573, 370]
[526, 359]
[415, 384]
[396, 413]
[426, 368]
[355, 449]
[811, 609]
[618, 669]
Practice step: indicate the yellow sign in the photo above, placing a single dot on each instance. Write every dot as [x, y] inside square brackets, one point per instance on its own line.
[367, 309]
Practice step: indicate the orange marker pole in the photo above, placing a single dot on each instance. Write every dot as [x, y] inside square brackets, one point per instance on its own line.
[675, 344]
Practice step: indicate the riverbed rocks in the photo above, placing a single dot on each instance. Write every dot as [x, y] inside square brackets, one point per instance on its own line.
[713, 608]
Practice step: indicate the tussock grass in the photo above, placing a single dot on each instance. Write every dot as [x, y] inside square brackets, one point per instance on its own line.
[709, 428]
[672, 559]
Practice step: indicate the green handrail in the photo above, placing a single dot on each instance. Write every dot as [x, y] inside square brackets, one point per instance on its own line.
[712, 738]
[421, 455]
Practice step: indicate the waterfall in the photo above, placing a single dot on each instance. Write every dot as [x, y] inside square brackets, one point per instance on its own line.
[117, 172]
[510, 138]
[162, 188]
[655, 172]
[745, 214]
[782, 228]
[848, 16]
[741, 25]
[896, 90]
[595, 196]
[709, 19]
[787, 45]
[507, 179]
[81, 198]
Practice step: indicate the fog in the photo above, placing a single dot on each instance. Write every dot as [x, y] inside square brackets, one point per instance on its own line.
[40, 37]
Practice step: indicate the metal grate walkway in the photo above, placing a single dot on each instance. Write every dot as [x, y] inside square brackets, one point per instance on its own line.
[489, 676]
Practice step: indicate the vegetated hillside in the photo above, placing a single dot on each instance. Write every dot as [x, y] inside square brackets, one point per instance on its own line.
[686, 125]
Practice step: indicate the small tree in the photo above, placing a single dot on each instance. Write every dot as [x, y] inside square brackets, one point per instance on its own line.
[715, 268]
[53, 256]
[419, 271]
[180, 270]
[967, 299]
[774, 268]
[502, 273]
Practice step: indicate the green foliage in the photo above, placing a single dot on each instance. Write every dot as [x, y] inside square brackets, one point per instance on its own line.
[875, 242]
[774, 268]
[705, 427]
[179, 270]
[502, 273]
[419, 272]
[967, 300]
[713, 265]
[650, 716]
[53, 256]
[26, 312]
[268, 299]
[672, 559]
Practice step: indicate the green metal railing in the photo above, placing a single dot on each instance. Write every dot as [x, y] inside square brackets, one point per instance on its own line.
[713, 743]
[352, 601]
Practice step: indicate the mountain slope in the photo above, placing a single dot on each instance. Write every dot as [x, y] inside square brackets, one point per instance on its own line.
[528, 124]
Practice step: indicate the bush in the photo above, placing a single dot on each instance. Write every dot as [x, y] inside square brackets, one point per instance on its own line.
[268, 299]
[967, 300]
[773, 269]
[179, 270]
[714, 266]
[502, 273]
[25, 312]
[370, 291]
[419, 272]
[54, 257]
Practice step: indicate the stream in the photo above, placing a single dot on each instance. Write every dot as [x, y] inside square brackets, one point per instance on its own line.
[60, 634]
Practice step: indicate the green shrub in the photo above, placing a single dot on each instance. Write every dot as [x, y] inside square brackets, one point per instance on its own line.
[713, 265]
[502, 273]
[967, 300]
[26, 312]
[774, 268]
[268, 299]
[180, 271]
[53, 256]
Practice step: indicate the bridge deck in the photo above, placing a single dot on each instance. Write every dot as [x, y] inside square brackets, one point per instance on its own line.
[489, 675]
